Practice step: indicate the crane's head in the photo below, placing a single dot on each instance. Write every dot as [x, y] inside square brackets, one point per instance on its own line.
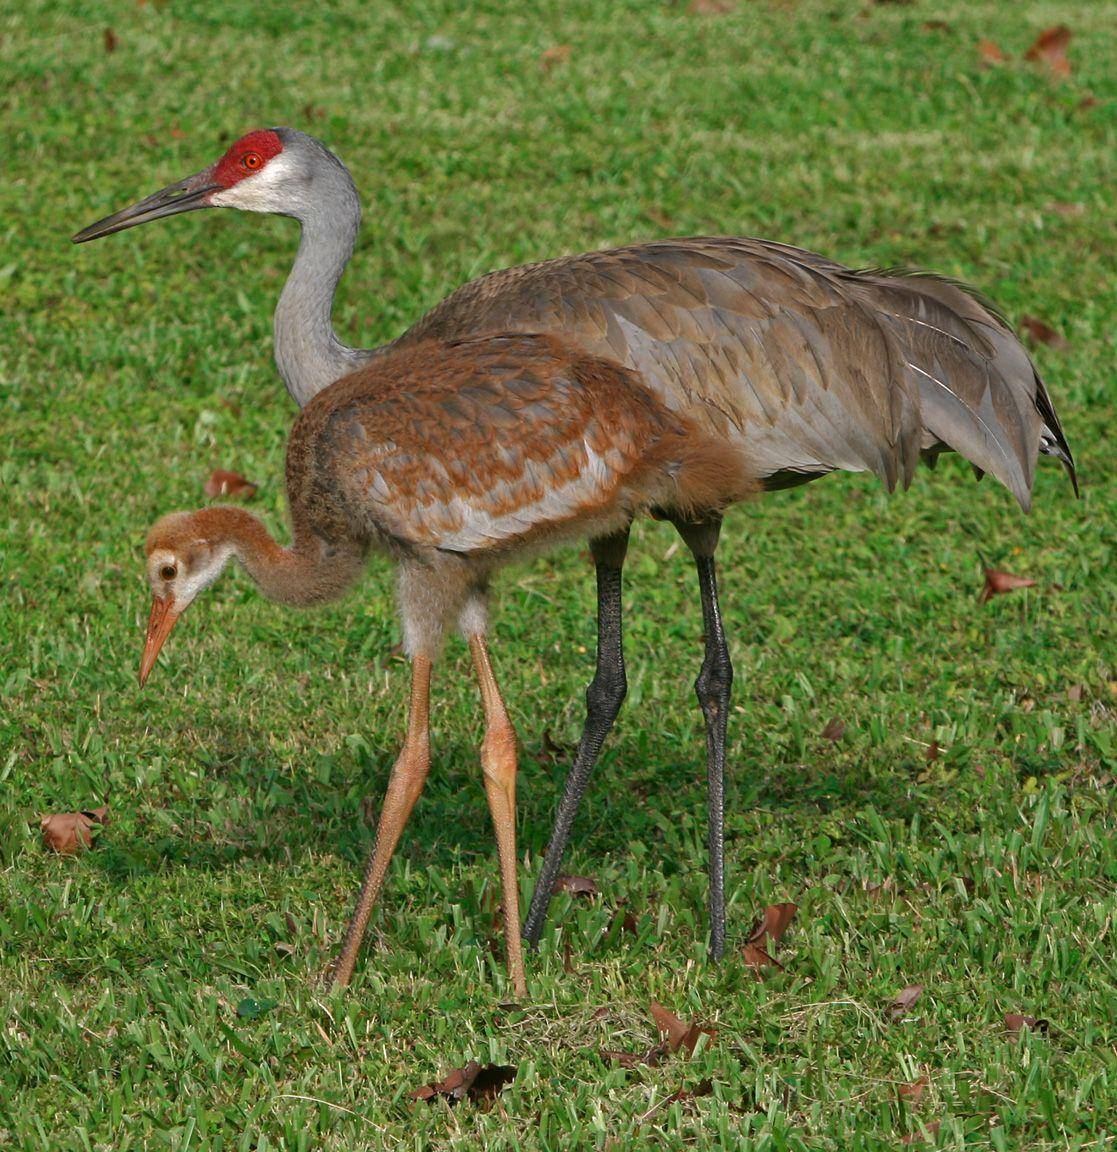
[269, 170]
[183, 559]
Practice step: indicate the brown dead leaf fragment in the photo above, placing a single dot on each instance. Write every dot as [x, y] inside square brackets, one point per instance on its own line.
[904, 1001]
[680, 1035]
[1015, 1023]
[1050, 48]
[652, 1057]
[933, 752]
[756, 957]
[926, 1132]
[710, 7]
[1039, 332]
[553, 751]
[555, 55]
[912, 1093]
[773, 922]
[990, 53]
[834, 730]
[69, 833]
[702, 1088]
[480, 1084]
[998, 583]
[110, 40]
[223, 483]
[577, 886]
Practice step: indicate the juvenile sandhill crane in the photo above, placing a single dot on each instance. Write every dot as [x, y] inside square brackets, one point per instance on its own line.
[799, 365]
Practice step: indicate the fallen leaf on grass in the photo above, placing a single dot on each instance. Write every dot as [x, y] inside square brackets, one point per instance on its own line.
[913, 1092]
[937, 26]
[481, 1085]
[702, 1088]
[72, 832]
[933, 752]
[773, 922]
[998, 583]
[1015, 1023]
[223, 483]
[558, 54]
[1065, 208]
[651, 1056]
[904, 1001]
[711, 7]
[756, 957]
[1074, 693]
[110, 40]
[1040, 332]
[577, 886]
[990, 53]
[926, 1132]
[680, 1035]
[1050, 48]
[554, 752]
[834, 730]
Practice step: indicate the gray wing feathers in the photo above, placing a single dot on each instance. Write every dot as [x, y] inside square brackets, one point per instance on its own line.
[808, 365]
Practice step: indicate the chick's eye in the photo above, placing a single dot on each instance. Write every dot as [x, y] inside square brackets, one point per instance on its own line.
[251, 161]
[168, 571]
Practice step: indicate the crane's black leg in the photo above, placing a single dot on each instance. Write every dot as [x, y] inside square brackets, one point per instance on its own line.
[712, 688]
[603, 701]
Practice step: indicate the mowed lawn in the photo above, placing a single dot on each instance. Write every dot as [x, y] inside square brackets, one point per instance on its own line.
[954, 829]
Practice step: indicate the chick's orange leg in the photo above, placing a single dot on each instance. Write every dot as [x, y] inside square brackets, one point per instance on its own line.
[404, 785]
[498, 761]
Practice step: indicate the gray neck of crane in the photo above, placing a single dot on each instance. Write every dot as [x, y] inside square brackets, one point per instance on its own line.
[307, 352]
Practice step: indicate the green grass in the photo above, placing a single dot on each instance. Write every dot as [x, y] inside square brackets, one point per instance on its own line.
[130, 368]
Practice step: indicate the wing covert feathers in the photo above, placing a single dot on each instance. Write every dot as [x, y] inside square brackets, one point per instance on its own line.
[805, 366]
[473, 445]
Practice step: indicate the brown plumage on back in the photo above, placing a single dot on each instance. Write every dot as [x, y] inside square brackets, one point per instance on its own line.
[808, 366]
[557, 400]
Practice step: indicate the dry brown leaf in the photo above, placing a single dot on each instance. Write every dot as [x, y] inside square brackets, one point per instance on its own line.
[998, 583]
[933, 752]
[1063, 208]
[479, 1084]
[72, 832]
[555, 55]
[1040, 332]
[659, 218]
[990, 53]
[904, 1001]
[554, 752]
[1015, 1023]
[110, 40]
[834, 730]
[913, 1092]
[927, 1132]
[223, 483]
[1074, 693]
[773, 922]
[702, 1088]
[651, 1056]
[756, 957]
[711, 7]
[577, 885]
[680, 1035]
[938, 26]
[1050, 48]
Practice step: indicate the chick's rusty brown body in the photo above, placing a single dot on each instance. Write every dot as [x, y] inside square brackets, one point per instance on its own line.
[484, 447]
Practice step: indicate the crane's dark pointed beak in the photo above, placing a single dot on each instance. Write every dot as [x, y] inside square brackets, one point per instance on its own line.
[159, 625]
[185, 196]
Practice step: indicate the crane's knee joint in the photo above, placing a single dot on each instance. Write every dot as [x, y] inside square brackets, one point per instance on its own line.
[606, 693]
[714, 682]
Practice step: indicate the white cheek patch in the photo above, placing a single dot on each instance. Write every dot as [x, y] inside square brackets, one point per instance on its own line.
[260, 192]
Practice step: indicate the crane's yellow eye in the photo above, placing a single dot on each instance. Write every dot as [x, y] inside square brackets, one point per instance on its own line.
[168, 571]
[251, 161]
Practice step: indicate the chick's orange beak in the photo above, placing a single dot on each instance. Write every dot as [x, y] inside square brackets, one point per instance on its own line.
[159, 625]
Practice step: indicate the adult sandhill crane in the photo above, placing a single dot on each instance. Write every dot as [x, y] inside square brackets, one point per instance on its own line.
[800, 365]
